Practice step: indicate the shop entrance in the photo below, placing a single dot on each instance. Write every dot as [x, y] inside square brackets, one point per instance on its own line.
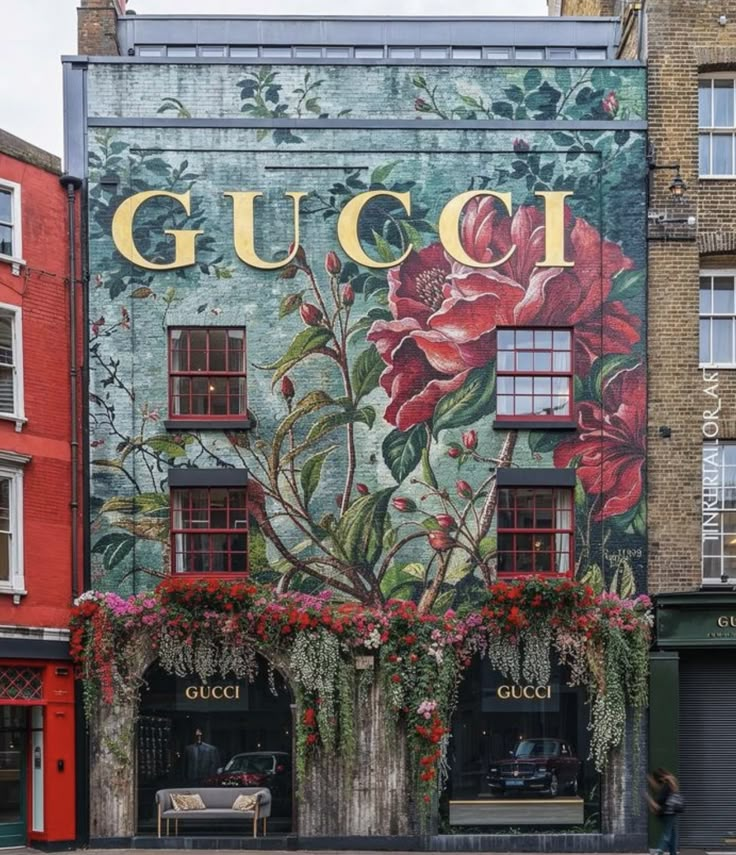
[224, 733]
[13, 740]
[708, 748]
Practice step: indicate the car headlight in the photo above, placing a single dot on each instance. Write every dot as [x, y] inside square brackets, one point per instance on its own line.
[542, 769]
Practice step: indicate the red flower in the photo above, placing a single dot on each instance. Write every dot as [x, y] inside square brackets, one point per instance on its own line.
[310, 717]
[454, 451]
[395, 678]
[445, 317]
[611, 444]
[445, 521]
[287, 387]
[362, 489]
[333, 265]
[440, 540]
[464, 490]
[470, 439]
[311, 315]
[404, 505]
[609, 104]
[348, 295]
[311, 738]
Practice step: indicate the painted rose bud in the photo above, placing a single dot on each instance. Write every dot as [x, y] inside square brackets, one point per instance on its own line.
[311, 315]
[464, 490]
[521, 145]
[470, 439]
[404, 505]
[333, 265]
[610, 104]
[440, 540]
[287, 387]
[421, 106]
[454, 451]
[348, 295]
[362, 489]
[445, 521]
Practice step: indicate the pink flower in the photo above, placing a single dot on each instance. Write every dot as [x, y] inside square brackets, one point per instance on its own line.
[454, 451]
[440, 540]
[610, 447]
[404, 505]
[464, 490]
[333, 265]
[445, 521]
[445, 317]
[287, 387]
[610, 104]
[348, 295]
[311, 315]
[362, 489]
[470, 439]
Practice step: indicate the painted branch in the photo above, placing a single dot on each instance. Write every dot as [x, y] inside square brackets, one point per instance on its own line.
[504, 461]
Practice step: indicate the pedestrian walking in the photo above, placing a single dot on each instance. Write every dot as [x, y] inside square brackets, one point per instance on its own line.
[667, 802]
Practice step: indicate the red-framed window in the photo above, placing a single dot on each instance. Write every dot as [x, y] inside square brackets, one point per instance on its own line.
[207, 372]
[534, 378]
[209, 530]
[535, 530]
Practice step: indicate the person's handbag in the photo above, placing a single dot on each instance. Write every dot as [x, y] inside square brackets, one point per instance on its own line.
[674, 804]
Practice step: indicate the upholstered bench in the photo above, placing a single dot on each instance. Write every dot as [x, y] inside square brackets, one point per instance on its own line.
[218, 804]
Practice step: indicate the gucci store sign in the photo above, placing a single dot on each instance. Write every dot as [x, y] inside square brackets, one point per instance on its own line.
[191, 694]
[696, 620]
[503, 696]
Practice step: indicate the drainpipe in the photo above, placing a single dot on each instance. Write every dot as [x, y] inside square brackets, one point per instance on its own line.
[71, 183]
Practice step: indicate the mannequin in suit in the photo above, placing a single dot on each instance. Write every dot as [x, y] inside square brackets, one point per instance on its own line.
[201, 760]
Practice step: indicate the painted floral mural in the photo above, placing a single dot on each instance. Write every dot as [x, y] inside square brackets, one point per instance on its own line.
[375, 445]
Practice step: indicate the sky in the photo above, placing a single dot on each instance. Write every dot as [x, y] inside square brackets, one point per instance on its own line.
[36, 33]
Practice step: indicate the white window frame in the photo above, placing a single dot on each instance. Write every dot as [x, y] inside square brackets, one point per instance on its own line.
[718, 130]
[18, 415]
[730, 272]
[11, 467]
[16, 258]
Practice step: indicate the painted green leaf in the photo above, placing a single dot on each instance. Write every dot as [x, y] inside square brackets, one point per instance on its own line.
[359, 534]
[514, 93]
[290, 303]
[605, 368]
[427, 471]
[412, 235]
[164, 444]
[366, 415]
[304, 343]
[627, 283]
[532, 79]
[366, 371]
[151, 504]
[381, 173]
[541, 442]
[366, 322]
[402, 450]
[443, 602]
[384, 247]
[402, 583]
[593, 577]
[113, 547]
[312, 472]
[503, 109]
[310, 403]
[563, 78]
[468, 403]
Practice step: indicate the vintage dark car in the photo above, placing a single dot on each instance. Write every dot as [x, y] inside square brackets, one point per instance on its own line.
[270, 769]
[536, 766]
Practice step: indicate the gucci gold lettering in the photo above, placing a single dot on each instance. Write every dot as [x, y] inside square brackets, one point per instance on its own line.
[349, 221]
[727, 621]
[244, 230]
[216, 693]
[122, 232]
[529, 693]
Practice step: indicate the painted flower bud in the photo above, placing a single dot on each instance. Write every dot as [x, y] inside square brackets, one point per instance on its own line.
[470, 439]
[610, 104]
[348, 295]
[464, 490]
[405, 506]
[454, 451]
[362, 489]
[440, 540]
[333, 265]
[287, 387]
[521, 145]
[301, 257]
[421, 106]
[445, 521]
[311, 315]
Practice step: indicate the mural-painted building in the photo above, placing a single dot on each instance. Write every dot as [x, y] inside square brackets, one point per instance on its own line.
[366, 317]
[37, 581]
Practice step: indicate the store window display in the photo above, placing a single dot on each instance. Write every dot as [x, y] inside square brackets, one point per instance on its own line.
[518, 755]
[225, 733]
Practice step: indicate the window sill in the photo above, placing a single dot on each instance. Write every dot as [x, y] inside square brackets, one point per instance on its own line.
[15, 263]
[208, 424]
[706, 366]
[19, 420]
[533, 424]
[15, 593]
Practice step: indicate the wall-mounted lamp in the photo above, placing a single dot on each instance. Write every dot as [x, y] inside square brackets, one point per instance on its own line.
[678, 186]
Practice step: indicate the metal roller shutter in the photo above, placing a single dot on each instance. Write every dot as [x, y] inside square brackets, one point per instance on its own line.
[708, 748]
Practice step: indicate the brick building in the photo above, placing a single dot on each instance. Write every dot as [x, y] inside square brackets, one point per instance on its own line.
[690, 49]
[446, 387]
[37, 690]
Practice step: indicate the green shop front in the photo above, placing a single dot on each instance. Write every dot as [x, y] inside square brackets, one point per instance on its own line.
[693, 706]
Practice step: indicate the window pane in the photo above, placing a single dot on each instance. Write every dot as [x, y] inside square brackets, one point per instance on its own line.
[4, 557]
[6, 240]
[705, 115]
[524, 338]
[308, 52]
[722, 151]
[368, 52]
[337, 52]
[705, 154]
[524, 361]
[542, 385]
[561, 340]
[505, 386]
[706, 303]
[705, 341]
[501, 53]
[7, 397]
[276, 52]
[181, 51]
[505, 339]
[561, 361]
[543, 361]
[6, 206]
[505, 360]
[433, 53]
[466, 53]
[505, 405]
[402, 53]
[722, 332]
[524, 405]
[530, 53]
[723, 103]
[244, 52]
[524, 385]
[212, 51]
[6, 340]
[543, 339]
[723, 295]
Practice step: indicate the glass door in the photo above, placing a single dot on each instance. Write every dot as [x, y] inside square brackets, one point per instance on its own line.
[12, 776]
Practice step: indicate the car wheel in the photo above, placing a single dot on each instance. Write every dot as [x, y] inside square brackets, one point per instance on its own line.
[554, 785]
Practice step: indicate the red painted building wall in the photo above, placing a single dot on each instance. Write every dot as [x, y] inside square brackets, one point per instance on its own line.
[33, 624]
